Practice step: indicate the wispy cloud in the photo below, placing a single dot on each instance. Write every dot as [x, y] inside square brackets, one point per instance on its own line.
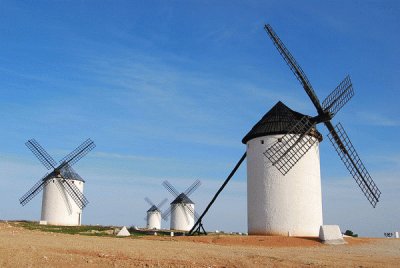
[376, 119]
[222, 34]
[391, 159]
[345, 204]
[117, 156]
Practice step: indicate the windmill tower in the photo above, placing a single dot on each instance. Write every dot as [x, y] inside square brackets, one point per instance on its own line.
[283, 171]
[182, 210]
[63, 198]
[280, 204]
[154, 214]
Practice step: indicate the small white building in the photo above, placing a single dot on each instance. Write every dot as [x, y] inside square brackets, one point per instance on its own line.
[153, 218]
[182, 213]
[58, 208]
[289, 205]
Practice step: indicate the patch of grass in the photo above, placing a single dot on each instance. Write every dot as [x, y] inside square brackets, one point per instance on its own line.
[89, 230]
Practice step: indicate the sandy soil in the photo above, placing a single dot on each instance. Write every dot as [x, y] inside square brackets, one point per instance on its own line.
[24, 248]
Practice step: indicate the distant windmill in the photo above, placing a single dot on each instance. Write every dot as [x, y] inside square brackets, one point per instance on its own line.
[182, 208]
[154, 214]
[63, 198]
[284, 188]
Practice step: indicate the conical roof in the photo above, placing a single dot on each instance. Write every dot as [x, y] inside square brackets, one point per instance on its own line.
[182, 199]
[75, 175]
[68, 174]
[279, 120]
[153, 209]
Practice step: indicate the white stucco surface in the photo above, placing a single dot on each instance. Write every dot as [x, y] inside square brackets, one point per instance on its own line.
[283, 205]
[154, 220]
[58, 208]
[181, 218]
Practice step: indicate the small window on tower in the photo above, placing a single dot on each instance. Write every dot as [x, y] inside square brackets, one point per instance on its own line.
[262, 141]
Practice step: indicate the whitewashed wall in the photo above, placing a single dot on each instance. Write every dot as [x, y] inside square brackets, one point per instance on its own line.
[181, 218]
[283, 205]
[58, 208]
[154, 220]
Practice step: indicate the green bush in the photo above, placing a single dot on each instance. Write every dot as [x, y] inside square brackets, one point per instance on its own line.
[350, 233]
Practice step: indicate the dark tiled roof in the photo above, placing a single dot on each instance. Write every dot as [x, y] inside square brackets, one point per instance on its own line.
[76, 176]
[279, 120]
[182, 199]
[153, 209]
[69, 174]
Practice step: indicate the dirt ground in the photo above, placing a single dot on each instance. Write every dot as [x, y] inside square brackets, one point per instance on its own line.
[20, 247]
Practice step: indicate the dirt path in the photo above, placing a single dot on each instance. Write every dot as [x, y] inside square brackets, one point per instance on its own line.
[24, 248]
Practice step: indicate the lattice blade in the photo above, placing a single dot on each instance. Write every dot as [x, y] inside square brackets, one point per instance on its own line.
[149, 201]
[287, 151]
[162, 203]
[353, 163]
[37, 188]
[79, 152]
[75, 194]
[168, 212]
[185, 212]
[339, 97]
[170, 188]
[64, 195]
[68, 173]
[192, 188]
[294, 66]
[192, 212]
[41, 154]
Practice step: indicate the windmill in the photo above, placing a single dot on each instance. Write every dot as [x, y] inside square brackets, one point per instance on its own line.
[63, 198]
[182, 208]
[154, 214]
[283, 171]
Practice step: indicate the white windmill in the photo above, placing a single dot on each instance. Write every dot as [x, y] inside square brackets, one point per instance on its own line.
[283, 168]
[154, 214]
[181, 210]
[63, 198]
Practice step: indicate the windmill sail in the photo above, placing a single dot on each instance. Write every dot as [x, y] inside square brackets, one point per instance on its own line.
[339, 97]
[294, 66]
[192, 212]
[192, 188]
[64, 169]
[331, 105]
[353, 163]
[37, 188]
[170, 188]
[41, 154]
[79, 152]
[288, 150]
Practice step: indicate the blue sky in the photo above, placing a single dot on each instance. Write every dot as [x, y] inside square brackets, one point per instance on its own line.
[167, 90]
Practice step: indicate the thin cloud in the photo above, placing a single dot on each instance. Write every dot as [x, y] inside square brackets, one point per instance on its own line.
[117, 156]
[345, 204]
[221, 35]
[378, 120]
